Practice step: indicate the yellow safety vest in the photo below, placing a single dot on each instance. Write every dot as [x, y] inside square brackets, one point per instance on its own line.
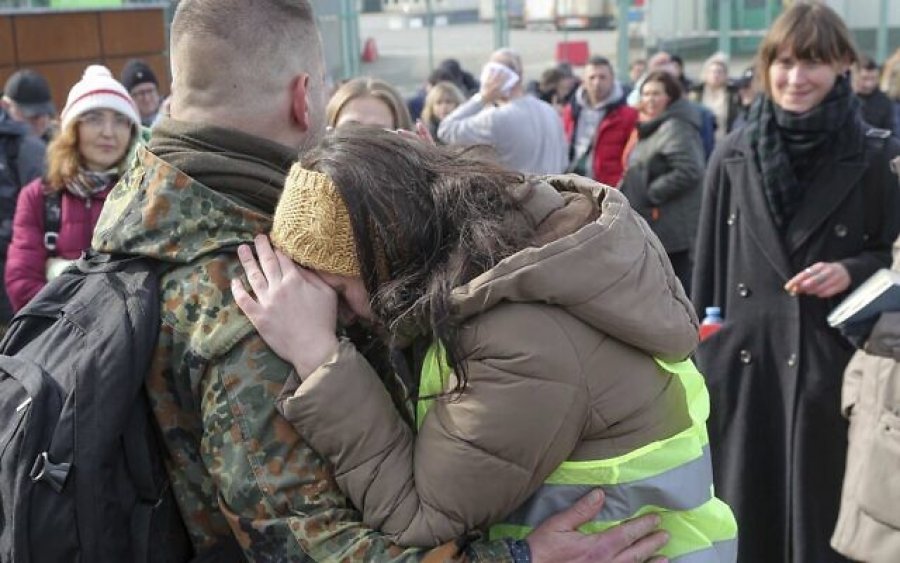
[671, 477]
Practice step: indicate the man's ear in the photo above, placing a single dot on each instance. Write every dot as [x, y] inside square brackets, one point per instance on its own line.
[300, 101]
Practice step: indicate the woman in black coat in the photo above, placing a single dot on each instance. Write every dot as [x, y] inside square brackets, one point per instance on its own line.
[800, 207]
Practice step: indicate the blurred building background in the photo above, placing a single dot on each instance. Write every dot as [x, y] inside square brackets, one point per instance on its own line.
[402, 40]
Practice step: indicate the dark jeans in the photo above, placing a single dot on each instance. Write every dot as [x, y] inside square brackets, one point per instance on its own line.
[681, 263]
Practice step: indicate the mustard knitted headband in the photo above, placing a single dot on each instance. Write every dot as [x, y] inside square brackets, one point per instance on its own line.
[312, 224]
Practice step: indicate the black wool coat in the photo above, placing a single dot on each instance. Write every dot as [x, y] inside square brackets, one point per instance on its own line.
[774, 369]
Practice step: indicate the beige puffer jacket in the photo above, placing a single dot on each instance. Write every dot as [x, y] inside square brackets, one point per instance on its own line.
[559, 340]
[868, 525]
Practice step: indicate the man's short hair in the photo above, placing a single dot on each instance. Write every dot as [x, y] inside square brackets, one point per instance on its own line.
[511, 55]
[867, 63]
[597, 60]
[263, 30]
[245, 48]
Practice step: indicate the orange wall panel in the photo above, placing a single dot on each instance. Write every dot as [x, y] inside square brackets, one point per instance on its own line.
[132, 32]
[57, 37]
[60, 45]
[7, 45]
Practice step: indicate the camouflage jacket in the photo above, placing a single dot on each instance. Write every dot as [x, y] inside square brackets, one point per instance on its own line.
[236, 465]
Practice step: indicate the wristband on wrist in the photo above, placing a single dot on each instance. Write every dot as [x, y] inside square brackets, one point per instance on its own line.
[519, 550]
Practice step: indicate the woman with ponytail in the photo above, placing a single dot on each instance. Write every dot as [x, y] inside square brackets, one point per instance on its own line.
[536, 323]
[55, 215]
[800, 206]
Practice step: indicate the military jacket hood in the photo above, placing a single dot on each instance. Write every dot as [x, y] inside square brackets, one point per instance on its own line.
[160, 212]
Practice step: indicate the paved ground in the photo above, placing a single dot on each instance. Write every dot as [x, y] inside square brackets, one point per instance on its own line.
[403, 51]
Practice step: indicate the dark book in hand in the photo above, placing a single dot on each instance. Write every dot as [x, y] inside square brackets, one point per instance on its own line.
[858, 311]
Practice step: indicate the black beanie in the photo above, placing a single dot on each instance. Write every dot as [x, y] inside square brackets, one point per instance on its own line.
[137, 72]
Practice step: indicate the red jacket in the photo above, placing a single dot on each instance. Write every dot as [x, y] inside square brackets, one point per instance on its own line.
[609, 143]
[26, 258]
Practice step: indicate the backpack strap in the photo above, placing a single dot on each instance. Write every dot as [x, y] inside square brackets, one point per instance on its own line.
[12, 157]
[52, 221]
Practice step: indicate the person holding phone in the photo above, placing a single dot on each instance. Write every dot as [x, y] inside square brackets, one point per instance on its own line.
[525, 132]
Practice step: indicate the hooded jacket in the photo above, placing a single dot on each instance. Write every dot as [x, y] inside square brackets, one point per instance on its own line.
[609, 138]
[21, 161]
[27, 256]
[664, 178]
[237, 468]
[558, 341]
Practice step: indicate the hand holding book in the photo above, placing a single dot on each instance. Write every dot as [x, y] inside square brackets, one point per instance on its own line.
[859, 311]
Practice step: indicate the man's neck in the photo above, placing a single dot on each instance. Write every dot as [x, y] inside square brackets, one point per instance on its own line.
[257, 125]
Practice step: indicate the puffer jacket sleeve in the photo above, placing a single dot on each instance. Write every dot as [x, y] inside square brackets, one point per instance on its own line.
[476, 458]
[26, 257]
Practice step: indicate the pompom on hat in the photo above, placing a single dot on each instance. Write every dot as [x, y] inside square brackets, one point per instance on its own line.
[97, 89]
[312, 224]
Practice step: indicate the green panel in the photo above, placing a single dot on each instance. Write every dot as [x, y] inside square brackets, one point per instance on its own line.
[745, 14]
[83, 3]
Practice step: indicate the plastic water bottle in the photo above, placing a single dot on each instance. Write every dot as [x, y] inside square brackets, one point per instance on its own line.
[711, 323]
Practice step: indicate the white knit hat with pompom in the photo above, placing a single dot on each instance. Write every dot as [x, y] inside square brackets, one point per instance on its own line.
[97, 89]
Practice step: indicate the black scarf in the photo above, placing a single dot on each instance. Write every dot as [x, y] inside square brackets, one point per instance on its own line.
[788, 147]
[247, 169]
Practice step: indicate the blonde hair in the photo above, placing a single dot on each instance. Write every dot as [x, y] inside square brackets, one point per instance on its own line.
[812, 31]
[439, 91]
[64, 160]
[369, 87]
[890, 78]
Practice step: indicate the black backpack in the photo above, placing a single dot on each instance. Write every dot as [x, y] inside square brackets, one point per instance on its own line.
[81, 470]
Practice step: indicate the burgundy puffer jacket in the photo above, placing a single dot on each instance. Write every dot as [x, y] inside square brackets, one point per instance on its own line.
[27, 256]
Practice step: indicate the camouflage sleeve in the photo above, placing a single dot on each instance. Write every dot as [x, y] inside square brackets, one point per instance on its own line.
[277, 494]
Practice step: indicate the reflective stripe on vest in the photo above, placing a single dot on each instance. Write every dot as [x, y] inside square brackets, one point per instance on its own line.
[672, 477]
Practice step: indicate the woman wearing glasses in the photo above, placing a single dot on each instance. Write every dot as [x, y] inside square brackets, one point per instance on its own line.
[56, 214]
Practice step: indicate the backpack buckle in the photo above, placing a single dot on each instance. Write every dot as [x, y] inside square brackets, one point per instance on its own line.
[50, 241]
[54, 474]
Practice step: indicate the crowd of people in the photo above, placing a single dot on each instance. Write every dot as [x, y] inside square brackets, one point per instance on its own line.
[449, 318]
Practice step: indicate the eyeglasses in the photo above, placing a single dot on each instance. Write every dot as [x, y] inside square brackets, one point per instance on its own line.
[142, 91]
[96, 121]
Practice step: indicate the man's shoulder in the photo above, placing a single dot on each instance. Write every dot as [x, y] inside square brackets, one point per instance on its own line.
[32, 145]
[623, 111]
[198, 305]
[529, 104]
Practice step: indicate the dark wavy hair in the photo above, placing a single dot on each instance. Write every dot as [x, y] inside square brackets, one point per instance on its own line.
[669, 83]
[426, 219]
